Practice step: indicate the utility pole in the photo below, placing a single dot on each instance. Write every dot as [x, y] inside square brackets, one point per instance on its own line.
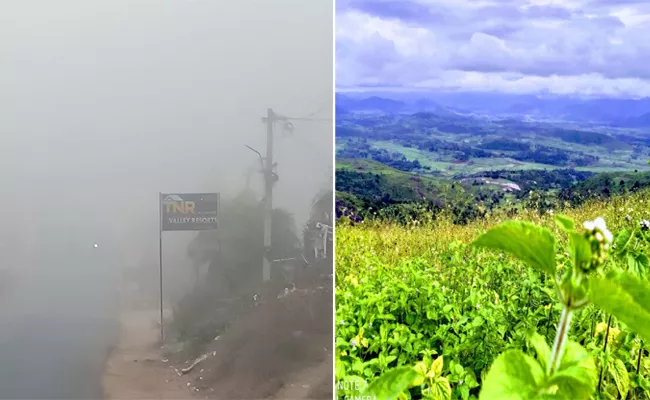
[269, 180]
[268, 194]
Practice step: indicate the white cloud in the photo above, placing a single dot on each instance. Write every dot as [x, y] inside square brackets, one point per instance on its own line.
[589, 85]
[574, 46]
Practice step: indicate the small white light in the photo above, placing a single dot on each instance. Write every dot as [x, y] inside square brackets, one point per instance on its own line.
[95, 245]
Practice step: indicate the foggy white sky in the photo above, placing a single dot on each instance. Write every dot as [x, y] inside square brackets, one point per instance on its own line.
[106, 103]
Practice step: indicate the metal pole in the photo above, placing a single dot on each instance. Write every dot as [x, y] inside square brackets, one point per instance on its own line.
[160, 266]
[268, 194]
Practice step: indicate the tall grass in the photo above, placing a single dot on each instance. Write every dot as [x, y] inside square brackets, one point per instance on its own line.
[424, 238]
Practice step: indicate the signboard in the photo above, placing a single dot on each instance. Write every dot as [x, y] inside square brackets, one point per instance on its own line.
[189, 211]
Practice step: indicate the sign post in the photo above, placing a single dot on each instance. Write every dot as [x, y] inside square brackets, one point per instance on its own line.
[160, 269]
[185, 212]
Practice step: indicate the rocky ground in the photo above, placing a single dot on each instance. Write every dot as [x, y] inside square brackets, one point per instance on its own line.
[280, 347]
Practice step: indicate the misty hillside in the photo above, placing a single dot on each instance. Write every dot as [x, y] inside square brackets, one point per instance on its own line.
[107, 105]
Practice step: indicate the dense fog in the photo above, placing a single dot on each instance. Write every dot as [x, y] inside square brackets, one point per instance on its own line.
[104, 104]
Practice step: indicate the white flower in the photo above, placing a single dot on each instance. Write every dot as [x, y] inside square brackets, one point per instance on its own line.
[599, 226]
[353, 343]
[627, 217]
[645, 224]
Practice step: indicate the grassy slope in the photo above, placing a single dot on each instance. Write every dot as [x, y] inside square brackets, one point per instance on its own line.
[421, 241]
[400, 185]
[404, 185]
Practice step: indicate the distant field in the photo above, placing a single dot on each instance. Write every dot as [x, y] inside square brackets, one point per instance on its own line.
[447, 146]
[443, 165]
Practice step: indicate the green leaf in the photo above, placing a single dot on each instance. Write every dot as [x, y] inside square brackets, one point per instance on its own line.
[580, 249]
[538, 342]
[528, 242]
[626, 297]
[637, 263]
[436, 368]
[421, 370]
[565, 223]
[644, 383]
[441, 390]
[623, 239]
[577, 376]
[464, 392]
[643, 261]
[618, 371]
[391, 384]
[340, 369]
[513, 376]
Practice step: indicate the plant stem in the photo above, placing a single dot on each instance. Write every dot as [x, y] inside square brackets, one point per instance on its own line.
[602, 368]
[638, 361]
[560, 339]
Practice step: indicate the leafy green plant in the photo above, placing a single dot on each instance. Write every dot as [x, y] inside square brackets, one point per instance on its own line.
[426, 376]
[565, 370]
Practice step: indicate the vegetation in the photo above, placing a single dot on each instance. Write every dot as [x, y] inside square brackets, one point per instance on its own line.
[423, 311]
[538, 180]
[425, 142]
[230, 305]
[366, 189]
[234, 256]
[455, 277]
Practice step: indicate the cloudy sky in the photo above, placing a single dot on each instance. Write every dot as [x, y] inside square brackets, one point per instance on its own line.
[581, 47]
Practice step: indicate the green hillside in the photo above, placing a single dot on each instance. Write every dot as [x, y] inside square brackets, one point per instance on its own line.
[419, 295]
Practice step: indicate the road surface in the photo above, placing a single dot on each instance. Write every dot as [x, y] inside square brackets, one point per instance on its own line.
[58, 325]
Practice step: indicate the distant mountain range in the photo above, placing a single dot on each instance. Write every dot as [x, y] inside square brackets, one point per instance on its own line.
[629, 113]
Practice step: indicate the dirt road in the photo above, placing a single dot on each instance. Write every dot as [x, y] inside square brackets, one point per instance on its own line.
[135, 369]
